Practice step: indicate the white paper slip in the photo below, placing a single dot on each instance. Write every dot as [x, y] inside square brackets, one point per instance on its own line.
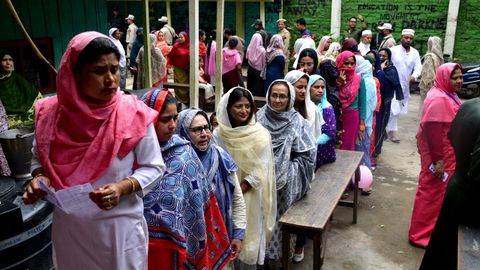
[73, 199]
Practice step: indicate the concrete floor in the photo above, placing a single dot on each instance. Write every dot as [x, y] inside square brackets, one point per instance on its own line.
[380, 238]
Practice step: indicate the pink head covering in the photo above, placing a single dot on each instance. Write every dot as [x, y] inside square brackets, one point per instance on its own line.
[348, 91]
[321, 45]
[441, 103]
[256, 54]
[275, 48]
[231, 58]
[76, 139]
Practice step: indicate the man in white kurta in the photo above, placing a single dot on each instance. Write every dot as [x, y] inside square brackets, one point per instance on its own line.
[407, 61]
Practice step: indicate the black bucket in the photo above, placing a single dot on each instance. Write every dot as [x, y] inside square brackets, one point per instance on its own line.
[17, 146]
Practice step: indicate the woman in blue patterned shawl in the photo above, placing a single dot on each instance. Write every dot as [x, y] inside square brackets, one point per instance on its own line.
[194, 126]
[186, 230]
[294, 150]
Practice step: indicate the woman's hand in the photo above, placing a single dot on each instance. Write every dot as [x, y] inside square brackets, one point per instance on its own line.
[361, 132]
[384, 64]
[33, 192]
[108, 196]
[236, 247]
[245, 186]
[439, 169]
[342, 78]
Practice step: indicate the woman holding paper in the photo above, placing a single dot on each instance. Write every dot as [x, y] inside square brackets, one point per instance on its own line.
[436, 152]
[90, 136]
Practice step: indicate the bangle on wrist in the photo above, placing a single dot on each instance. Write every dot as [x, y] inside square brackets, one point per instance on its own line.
[38, 174]
[130, 179]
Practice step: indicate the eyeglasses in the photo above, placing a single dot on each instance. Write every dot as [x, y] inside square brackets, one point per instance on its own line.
[198, 130]
[280, 97]
[308, 64]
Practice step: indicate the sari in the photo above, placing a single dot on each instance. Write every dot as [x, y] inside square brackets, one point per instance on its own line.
[440, 108]
[185, 225]
[294, 151]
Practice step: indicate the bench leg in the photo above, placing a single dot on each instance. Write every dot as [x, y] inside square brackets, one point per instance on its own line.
[285, 247]
[318, 248]
[355, 195]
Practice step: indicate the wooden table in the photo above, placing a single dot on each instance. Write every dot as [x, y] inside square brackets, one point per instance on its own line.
[310, 216]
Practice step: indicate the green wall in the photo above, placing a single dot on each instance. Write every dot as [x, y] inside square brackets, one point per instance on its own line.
[467, 39]
[427, 18]
[59, 20]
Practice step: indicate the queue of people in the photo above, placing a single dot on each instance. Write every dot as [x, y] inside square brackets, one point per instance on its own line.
[171, 191]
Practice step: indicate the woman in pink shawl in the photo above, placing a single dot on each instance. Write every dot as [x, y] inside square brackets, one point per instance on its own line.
[231, 66]
[210, 63]
[436, 152]
[275, 60]
[163, 46]
[88, 139]
[353, 98]
[256, 66]
[323, 46]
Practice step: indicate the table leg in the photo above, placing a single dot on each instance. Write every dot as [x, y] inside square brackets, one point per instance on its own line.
[355, 195]
[285, 247]
[317, 251]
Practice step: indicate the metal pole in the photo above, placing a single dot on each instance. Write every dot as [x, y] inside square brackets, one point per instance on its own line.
[146, 46]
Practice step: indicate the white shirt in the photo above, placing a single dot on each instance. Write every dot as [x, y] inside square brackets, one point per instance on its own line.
[117, 238]
[131, 33]
[363, 48]
[408, 64]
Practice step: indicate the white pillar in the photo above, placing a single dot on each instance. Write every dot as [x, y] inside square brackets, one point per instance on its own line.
[449, 42]
[193, 22]
[336, 18]
[146, 49]
[280, 14]
[262, 13]
[169, 13]
[218, 54]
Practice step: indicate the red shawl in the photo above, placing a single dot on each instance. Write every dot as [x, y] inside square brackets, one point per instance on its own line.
[348, 91]
[180, 54]
[77, 140]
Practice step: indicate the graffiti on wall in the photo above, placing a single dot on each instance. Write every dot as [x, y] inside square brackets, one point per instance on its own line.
[307, 8]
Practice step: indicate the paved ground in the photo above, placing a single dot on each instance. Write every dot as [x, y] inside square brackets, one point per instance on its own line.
[379, 240]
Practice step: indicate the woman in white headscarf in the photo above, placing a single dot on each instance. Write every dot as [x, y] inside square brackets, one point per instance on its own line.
[333, 51]
[300, 45]
[114, 34]
[294, 150]
[431, 61]
[303, 104]
[250, 146]
[157, 61]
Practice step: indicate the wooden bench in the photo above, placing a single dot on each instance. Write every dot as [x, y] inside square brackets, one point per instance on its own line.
[310, 216]
[259, 101]
[201, 94]
[468, 248]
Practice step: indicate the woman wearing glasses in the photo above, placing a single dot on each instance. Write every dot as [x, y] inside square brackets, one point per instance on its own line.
[294, 151]
[193, 125]
[184, 221]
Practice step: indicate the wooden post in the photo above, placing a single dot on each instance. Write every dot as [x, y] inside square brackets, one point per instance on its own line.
[169, 13]
[453, 7]
[146, 48]
[193, 22]
[218, 54]
[262, 13]
[336, 18]
[240, 18]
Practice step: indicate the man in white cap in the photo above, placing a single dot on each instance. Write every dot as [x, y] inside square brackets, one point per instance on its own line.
[167, 30]
[388, 40]
[364, 45]
[409, 67]
[282, 31]
[131, 32]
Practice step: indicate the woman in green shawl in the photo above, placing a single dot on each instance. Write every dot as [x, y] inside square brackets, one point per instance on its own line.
[17, 94]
